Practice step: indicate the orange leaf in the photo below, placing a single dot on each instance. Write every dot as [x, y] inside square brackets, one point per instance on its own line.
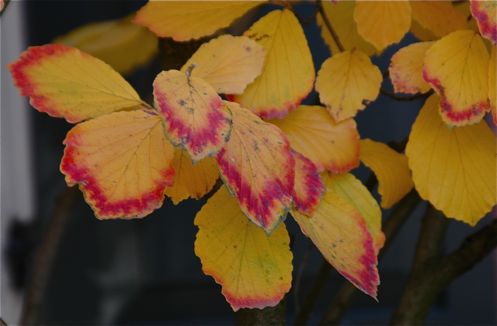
[346, 228]
[67, 83]
[456, 66]
[485, 13]
[121, 162]
[329, 145]
[258, 167]
[253, 268]
[308, 187]
[288, 73]
[191, 180]
[187, 20]
[195, 116]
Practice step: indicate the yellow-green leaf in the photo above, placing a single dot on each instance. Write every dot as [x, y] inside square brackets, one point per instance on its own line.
[453, 168]
[254, 269]
[456, 66]
[406, 69]
[122, 163]
[288, 73]
[191, 180]
[382, 23]
[120, 43]
[347, 82]
[195, 117]
[346, 228]
[391, 169]
[341, 17]
[228, 63]
[258, 167]
[329, 145]
[65, 82]
[187, 20]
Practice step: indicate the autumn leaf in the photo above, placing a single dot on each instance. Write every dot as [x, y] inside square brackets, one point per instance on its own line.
[120, 43]
[228, 63]
[382, 23]
[253, 268]
[187, 20]
[288, 73]
[67, 83]
[346, 228]
[453, 168]
[341, 17]
[308, 187]
[485, 13]
[258, 167]
[436, 18]
[391, 170]
[121, 162]
[406, 69]
[195, 117]
[347, 82]
[191, 180]
[456, 66]
[329, 145]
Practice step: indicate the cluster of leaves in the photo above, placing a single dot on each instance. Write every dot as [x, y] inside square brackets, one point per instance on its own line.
[274, 155]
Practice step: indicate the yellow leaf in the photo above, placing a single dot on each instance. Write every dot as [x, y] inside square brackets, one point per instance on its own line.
[453, 168]
[258, 167]
[346, 228]
[329, 145]
[456, 66]
[288, 73]
[187, 20]
[382, 23]
[485, 13]
[347, 82]
[253, 268]
[120, 43]
[406, 69]
[191, 180]
[341, 17]
[121, 162]
[421, 33]
[390, 168]
[438, 18]
[308, 187]
[228, 63]
[65, 82]
[492, 84]
[195, 117]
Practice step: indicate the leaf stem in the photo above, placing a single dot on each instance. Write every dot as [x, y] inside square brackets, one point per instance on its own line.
[330, 28]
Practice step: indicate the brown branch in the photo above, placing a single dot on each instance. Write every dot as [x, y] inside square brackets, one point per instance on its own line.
[391, 227]
[45, 256]
[406, 98]
[267, 316]
[328, 25]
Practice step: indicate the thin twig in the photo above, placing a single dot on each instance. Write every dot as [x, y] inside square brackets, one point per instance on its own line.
[45, 256]
[405, 98]
[328, 25]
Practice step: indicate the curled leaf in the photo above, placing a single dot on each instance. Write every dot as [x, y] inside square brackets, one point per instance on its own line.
[288, 72]
[67, 83]
[195, 117]
[453, 168]
[347, 82]
[258, 167]
[456, 66]
[228, 63]
[253, 268]
[391, 169]
[329, 145]
[121, 162]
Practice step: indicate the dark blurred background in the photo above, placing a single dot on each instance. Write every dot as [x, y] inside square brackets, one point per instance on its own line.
[145, 271]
